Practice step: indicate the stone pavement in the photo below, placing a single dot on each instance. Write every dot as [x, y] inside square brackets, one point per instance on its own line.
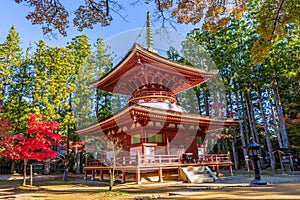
[269, 177]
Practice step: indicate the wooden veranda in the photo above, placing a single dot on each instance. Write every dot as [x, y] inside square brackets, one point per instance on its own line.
[141, 163]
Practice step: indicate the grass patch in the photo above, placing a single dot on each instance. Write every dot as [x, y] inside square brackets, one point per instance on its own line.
[29, 187]
[52, 183]
[10, 183]
[113, 193]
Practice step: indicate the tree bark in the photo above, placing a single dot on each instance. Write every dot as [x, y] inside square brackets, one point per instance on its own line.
[264, 120]
[234, 151]
[31, 175]
[205, 97]
[219, 149]
[24, 172]
[77, 161]
[275, 121]
[245, 119]
[215, 104]
[239, 114]
[252, 122]
[13, 167]
[233, 140]
[198, 93]
[249, 117]
[113, 165]
[280, 116]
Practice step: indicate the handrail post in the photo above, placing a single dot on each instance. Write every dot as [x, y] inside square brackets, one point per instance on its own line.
[160, 174]
[138, 172]
[228, 156]
[138, 158]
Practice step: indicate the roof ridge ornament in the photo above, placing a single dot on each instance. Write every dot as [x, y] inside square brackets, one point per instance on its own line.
[149, 34]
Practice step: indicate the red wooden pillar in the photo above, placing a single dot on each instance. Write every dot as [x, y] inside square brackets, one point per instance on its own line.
[93, 175]
[85, 174]
[123, 176]
[213, 167]
[160, 174]
[168, 144]
[230, 169]
[179, 169]
[101, 175]
[138, 175]
[138, 170]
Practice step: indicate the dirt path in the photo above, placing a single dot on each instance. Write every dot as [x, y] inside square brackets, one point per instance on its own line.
[68, 192]
[281, 186]
[153, 191]
[276, 191]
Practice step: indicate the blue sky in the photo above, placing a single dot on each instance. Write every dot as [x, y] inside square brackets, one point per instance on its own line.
[12, 13]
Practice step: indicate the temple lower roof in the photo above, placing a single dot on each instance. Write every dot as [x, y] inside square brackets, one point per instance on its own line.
[139, 114]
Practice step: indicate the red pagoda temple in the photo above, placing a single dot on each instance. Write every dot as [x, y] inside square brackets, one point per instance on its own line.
[153, 125]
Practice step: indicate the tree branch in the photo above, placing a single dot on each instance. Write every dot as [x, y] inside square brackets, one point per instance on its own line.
[277, 18]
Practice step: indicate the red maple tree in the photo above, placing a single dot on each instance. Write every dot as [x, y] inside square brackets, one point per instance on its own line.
[35, 144]
[5, 126]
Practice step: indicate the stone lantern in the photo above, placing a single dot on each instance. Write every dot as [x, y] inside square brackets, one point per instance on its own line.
[252, 149]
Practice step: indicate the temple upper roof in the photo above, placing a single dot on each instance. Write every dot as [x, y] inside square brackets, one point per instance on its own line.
[145, 72]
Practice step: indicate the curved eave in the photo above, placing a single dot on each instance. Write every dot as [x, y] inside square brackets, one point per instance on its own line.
[109, 81]
[172, 63]
[186, 118]
[158, 115]
[93, 130]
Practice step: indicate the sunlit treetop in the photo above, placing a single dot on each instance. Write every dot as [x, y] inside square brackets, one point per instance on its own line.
[54, 15]
[272, 17]
[212, 13]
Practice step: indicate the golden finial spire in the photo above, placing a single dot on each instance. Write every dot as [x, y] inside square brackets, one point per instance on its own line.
[149, 33]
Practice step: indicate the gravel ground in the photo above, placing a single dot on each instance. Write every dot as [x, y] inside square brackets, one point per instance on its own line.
[280, 186]
[268, 176]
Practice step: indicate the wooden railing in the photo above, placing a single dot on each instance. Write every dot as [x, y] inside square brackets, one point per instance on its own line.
[94, 163]
[158, 159]
[143, 160]
[140, 160]
[217, 160]
[157, 162]
[207, 158]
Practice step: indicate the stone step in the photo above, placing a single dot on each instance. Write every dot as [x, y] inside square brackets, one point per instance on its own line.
[198, 174]
[197, 179]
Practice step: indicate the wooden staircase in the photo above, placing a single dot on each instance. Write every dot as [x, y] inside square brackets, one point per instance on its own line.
[197, 174]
